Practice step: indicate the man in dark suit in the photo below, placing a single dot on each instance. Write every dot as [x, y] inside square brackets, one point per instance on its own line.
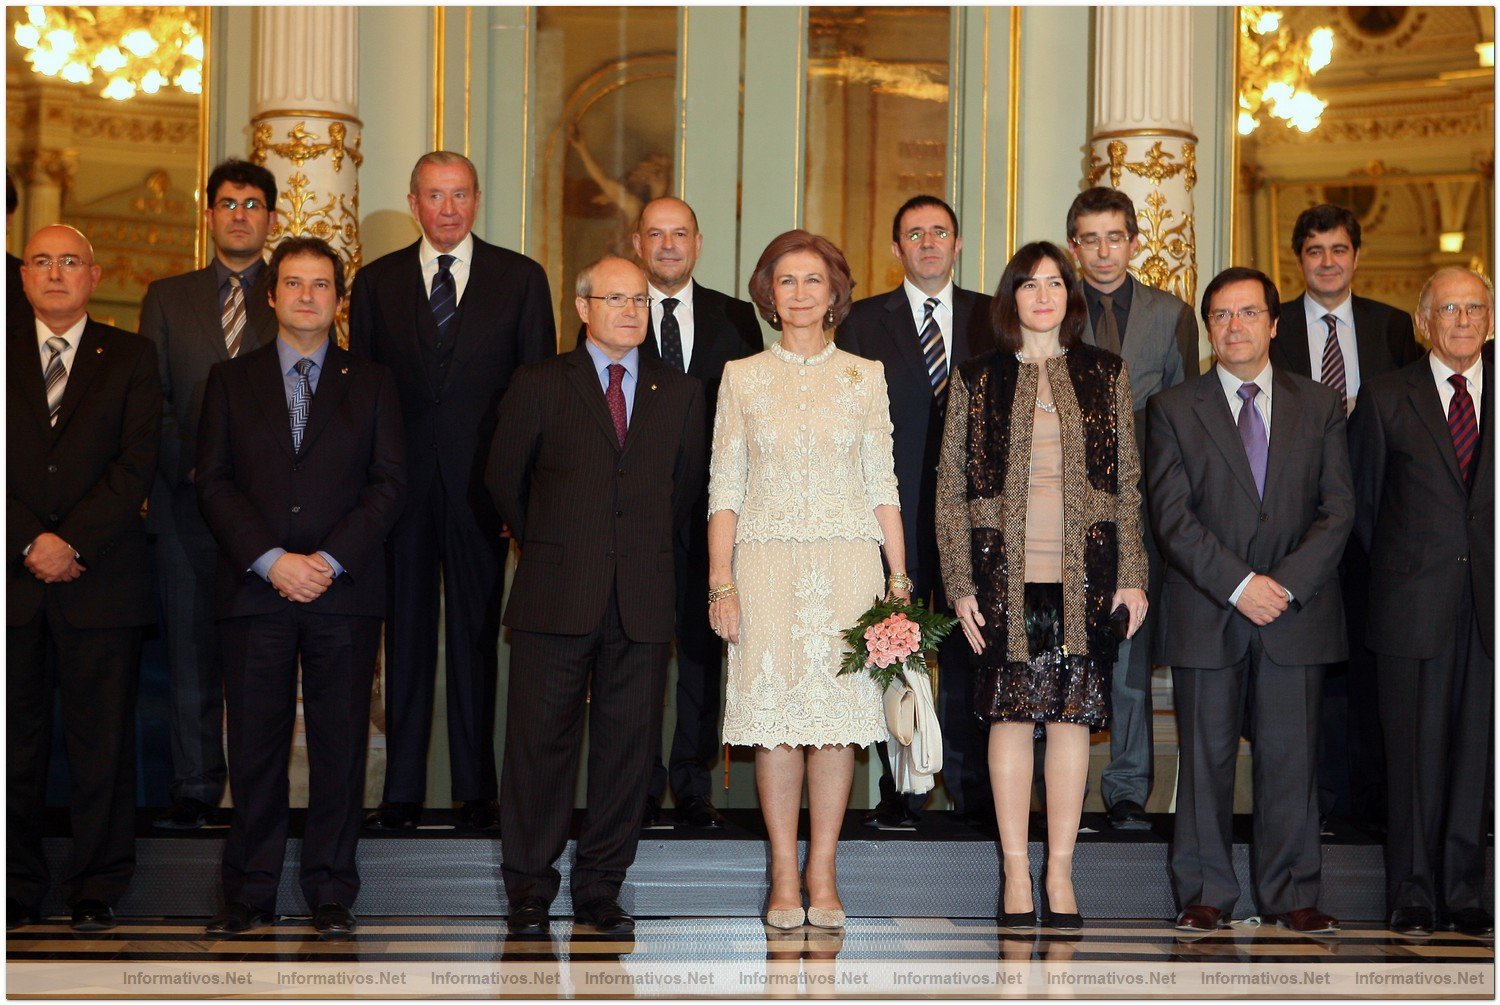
[1251, 525]
[83, 420]
[301, 470]
[920, 331]
[1157, 335]
[452, 317]
[1342, 340]
[598, 458]
[196, 320]
[698, 330]
[1423, 446]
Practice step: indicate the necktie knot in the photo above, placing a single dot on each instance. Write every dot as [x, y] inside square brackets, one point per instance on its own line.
[1108, 303]
[1333, 325]
[1459, 381]
[931, 303]
[614, 397]
[616, 374]
[57, 344]
[445, 262]
[235, 282]
[1247, 392]
[303, 365]
[669, 305]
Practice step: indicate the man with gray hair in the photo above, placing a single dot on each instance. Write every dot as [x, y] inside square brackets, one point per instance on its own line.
[452, 317]
[1423, 452]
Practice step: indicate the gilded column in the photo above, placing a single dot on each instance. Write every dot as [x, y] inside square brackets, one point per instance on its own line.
[305, 125]
[1142, 141]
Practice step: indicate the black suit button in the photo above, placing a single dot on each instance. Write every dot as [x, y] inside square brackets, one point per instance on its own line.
[621, 473]
[440, 345]
[296, 467]
[1264, 518]
[437, 401]
[296, 509]
[609, 554]
[619, 513]
[52, 470]
[1463, 558]
[54, 518]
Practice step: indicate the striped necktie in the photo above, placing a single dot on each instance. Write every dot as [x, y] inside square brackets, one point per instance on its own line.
[933, 353]
[233, 318]
[444, 296]
[301, 402]
[1463, 426]
[1333, 362]
[56, 375]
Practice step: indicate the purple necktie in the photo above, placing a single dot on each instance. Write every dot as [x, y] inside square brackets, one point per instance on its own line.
[614, 397]
[1333, 362]
[1253, 435]
[1463, 426]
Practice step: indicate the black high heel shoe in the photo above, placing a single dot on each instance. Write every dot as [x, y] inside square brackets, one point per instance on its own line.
[1018, 919]
[1062, 921]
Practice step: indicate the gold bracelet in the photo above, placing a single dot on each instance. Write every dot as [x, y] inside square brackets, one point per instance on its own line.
[718, 593]
[899, 581]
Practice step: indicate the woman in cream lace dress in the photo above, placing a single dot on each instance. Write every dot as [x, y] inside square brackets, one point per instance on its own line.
[802, 494]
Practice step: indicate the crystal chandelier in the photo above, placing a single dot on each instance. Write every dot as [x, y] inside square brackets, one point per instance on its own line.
[1275, 70]
[134, 49]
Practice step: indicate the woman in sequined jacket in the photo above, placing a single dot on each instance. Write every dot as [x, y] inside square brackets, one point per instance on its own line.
[1038, 526]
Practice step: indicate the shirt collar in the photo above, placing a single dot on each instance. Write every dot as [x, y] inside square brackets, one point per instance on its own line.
[247, 275]
[73, 334]
[1344, 311]
[1231, 383]
[463, 251]
[631, 362]
[684, 296]
[288, 356]
[918, 299]
[1120, 297]
[1442, 371]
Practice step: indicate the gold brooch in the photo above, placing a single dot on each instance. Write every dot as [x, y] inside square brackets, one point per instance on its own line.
[343, 369]
[855, 377]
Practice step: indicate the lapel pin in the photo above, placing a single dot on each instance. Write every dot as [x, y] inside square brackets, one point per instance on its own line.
[344, 370]
[653, 387]
[98, 350]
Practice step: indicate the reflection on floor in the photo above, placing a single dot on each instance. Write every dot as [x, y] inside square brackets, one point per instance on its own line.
[720, 957]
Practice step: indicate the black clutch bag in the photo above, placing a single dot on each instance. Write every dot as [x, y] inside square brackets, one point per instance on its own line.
[1119, 622]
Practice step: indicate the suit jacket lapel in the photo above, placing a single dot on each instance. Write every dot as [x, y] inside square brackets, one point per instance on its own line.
[645, 395]
[333, 384]
[901, 329]
[1218, 421]
[269, 390]
[963, 304]
[1429, 408]
[205, 304]
[474, 310]
[586, 382]
[88, 359]
[1286, 417]
[1485, 474]
[26, 363]
[260, 320]
[706, 326]
[1292, 334]
[1137, 323]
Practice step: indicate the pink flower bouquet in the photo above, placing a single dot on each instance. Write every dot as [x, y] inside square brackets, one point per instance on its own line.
[892, 636]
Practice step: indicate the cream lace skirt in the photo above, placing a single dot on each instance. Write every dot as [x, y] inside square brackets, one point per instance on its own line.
[796, 597]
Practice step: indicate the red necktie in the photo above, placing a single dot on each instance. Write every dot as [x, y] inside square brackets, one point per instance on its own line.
[614, 397]
[1463, 427]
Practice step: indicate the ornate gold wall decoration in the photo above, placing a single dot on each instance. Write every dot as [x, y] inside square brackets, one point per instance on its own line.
[302, 146]
[1156, 167]
[135, 129]
[1171, 250]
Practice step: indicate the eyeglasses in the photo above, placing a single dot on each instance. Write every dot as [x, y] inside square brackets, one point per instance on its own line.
[1449, 312]
[618, 300]
[1220, 318]
[915, 235]
[230, 205]
[1115, 239]
[68, 263]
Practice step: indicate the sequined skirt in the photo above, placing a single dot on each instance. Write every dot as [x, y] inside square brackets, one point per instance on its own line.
[1051, 685]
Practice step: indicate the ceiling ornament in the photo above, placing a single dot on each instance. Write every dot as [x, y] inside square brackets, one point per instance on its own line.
[1276, 69]
[134, 50]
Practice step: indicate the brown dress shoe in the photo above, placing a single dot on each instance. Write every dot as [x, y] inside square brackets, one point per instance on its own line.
[1201, 918]
[1307, 920]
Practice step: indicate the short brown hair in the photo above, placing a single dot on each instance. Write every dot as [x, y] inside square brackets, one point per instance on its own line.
[840, 281]
[1007, 320]
[442, 158]
[304, 246]
[1100, 199]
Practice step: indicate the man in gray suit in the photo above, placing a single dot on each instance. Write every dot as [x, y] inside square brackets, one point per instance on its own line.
[1251, 500]
[1156, 334]
[196, 320]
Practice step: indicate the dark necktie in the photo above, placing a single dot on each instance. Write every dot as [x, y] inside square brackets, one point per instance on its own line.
[444, 298]
[56, 375]
[301, 402]
[614, 397]
[933, 352]
[233, 318]
[1253, 435]
[1107, 331]
[1463, 426]
[1333, 362]
[671, 335]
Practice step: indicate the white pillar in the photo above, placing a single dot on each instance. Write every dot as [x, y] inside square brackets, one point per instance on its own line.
[1142, 141]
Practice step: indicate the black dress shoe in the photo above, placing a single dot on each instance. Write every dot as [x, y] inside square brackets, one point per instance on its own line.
[606, 915]
[237, 917]
[651, 815]
[528, 916]
[479, 815]
[186, 814]
[18, 914]
[93, 916]
[1412, 921]
[1017, 919]
[1129, 815]
[394, 817]
[892, 814]
[1472, 921]
[700, 813]
[333, 921]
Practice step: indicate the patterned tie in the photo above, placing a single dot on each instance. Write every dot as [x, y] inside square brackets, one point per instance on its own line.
[932, 350]
[444, 297]
[615, 399]
[671, 335]
[1463, 426]
[1107, 331]
[1333, 362]
[56, 375]
[301, 402]
[233, 318]
[1253, 436]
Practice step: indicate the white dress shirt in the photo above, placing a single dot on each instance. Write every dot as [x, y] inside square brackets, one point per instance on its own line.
[1317, 338]
[943, 313]
[463, 255]
[75, 333]
[1474, 375]
[1262, 402]
[683, 312]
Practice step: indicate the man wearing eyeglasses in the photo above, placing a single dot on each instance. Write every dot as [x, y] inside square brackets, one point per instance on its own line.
[83, 421]
[598, 458]
[452, 316]
[920, 331]
[1157, 335]
[1423, 445]
[1343, 340]
[195, 320]
[1251, 502]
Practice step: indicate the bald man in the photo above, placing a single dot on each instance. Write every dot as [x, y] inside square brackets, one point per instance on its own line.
[83, 420]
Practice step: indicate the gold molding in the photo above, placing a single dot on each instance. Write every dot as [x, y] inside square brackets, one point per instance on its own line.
[528, 15]
[1125, 134]
[1013, 135]
[799, 122]
[1171, 251]
[682, 99]
[468, 73]
[1156, 166]
[301, 146]
[304, 113]
[205, 101]
[1230, 118]
[439, 65]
